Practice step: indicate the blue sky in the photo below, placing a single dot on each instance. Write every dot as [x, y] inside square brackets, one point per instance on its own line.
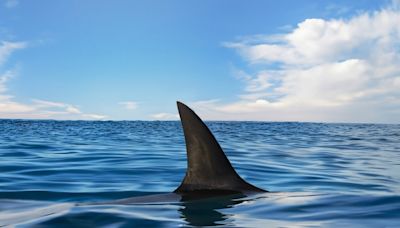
[329, 61]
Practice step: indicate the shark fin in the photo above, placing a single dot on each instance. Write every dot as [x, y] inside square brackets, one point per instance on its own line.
[208, 167]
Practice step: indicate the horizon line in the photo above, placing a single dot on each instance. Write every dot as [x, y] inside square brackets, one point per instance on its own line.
[177, 120]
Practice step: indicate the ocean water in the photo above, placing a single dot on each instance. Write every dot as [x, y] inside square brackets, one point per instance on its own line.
[318, 175]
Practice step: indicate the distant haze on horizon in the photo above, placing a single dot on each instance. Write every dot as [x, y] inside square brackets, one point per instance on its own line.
[312, 61]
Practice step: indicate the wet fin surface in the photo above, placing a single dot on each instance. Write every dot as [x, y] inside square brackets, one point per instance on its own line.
[208, 167]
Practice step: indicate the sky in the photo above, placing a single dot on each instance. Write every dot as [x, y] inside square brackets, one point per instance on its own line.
[304, 60]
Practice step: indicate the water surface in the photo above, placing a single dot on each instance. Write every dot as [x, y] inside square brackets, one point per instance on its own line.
[319, 174]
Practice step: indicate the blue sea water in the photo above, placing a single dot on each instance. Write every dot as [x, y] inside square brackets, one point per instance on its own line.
[319, 175]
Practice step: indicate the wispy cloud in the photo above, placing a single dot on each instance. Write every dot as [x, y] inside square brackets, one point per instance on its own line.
[37, 109]
[164, 116]
[94, 116]
[323, 70]
[7, 105]
[129, 105]
[67, 108]
[6, 48]
[48, 104]
[4, 78]
[42, 109]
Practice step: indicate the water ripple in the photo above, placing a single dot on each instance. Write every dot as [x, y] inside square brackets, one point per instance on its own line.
[322, 174]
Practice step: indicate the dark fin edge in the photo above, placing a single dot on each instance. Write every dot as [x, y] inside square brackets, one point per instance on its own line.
[208, 168]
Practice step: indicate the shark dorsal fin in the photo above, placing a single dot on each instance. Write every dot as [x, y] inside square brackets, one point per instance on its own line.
[208, 167]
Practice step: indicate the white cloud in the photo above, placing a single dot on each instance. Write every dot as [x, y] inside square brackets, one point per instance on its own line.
[94, 116]
[326, 84]
[73, 110]
[11, 3]
[165, 116]
[41, 109]
[14, 107]
[58, 110]
[323, 70]
[41, 104]
[258, 83]
[316, 41]
[129, 105]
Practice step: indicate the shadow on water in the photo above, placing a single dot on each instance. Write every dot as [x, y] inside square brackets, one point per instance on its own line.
[194, 209]
[204, 209]
[199, 210]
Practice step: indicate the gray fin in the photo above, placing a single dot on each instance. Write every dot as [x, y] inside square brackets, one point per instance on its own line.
[208, 167]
